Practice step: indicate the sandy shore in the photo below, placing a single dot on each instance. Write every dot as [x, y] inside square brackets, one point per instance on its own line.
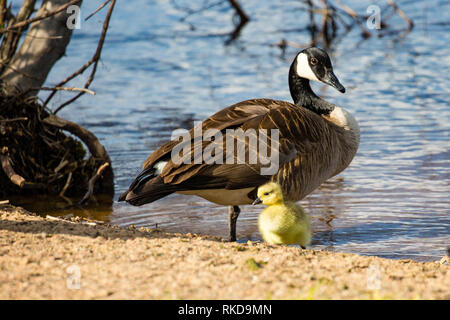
[49, 258]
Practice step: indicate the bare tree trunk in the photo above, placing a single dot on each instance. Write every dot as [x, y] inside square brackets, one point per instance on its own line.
[45, 43]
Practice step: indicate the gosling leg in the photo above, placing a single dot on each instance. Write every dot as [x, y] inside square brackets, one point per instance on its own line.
[233, 214]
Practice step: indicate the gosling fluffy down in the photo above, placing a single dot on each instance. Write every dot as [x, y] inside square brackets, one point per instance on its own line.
[281, 222]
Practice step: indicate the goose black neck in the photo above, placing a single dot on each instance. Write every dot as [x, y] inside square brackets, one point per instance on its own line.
[303, 95]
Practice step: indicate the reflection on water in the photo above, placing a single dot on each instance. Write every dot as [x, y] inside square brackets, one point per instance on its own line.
[99, 208]
[159, 74]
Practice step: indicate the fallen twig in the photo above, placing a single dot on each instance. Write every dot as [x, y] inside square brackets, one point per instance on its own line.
[52, 218]
[9, 171]
[14, 177]
[92, 182]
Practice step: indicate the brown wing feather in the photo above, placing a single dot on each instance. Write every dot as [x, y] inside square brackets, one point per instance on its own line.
[229, 117]
[300, 133]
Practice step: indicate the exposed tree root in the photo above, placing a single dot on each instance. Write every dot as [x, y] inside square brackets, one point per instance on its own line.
[92, 182]
[37, 156]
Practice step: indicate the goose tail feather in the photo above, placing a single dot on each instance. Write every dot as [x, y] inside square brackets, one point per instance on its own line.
[146, 188]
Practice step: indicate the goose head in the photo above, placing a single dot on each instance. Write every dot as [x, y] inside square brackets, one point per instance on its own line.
[269, 194]
[311, 64]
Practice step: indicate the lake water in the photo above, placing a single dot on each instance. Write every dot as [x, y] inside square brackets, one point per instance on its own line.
[160, 72]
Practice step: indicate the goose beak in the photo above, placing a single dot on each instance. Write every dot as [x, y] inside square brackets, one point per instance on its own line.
[257, 201]
[331, 79]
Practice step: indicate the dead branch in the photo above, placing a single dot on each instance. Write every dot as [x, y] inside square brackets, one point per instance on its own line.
[40, 17]
[191, 12]
[355, 18]
[14, 177]
[35, 37]
[94, 60]
[9, 171]
[97, 10]
[243, 20]
[2, 12]
[69, 178]
[285, 43]
[237, 7]
[92, 182]
[21, 94]
[348, 10]
[333, 15]
[11, 40]
[14, 119]
[401, 14]
[311, 19]
[66, 89]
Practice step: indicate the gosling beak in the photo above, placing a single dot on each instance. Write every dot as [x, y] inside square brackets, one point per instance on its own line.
[331, 79]
[257, 201]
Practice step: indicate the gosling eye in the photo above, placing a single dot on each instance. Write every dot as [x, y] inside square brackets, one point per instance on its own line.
[266, 193]
[314, 61]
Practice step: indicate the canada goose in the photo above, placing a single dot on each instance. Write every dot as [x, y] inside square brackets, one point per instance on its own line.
[282, 222]
[317, 140]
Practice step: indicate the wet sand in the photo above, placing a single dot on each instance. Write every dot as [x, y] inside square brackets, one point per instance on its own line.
[50, 258]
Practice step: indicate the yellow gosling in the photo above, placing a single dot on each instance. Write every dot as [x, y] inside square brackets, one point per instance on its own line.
[281, 222]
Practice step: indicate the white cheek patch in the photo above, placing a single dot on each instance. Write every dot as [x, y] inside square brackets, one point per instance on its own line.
[303, 68]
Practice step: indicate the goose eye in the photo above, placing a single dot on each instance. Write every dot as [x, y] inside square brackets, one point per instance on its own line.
[314, 61]
[266, 193]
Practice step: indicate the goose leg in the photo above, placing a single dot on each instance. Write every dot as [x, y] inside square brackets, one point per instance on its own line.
[233, 214]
